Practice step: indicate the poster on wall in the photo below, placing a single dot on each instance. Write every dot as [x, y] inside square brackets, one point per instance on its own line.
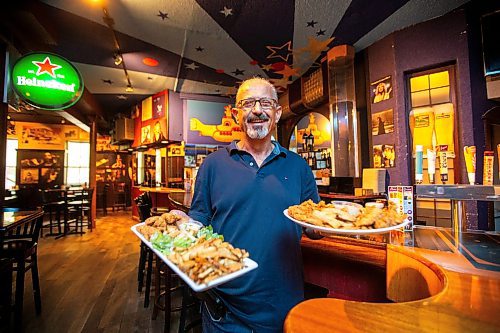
[175, 150]
[211, 123]
[50, 177]
[158, 132]
[39, 158]
[71, 133]
[146, 134]
[104, 144]
[383, 122]
[29, 176]
[381, 90]
[147, 108]
[41, 136]
[11, 130]
[384, 156]
[159, 105]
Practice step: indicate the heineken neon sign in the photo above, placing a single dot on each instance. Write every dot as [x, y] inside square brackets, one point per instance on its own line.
[47, 81]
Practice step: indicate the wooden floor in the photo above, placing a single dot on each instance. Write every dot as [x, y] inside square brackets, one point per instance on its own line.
[89, 283]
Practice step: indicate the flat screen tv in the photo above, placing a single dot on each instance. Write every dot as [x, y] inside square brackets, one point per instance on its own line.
[490, 29]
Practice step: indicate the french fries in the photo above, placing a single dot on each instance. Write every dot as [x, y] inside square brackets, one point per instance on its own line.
[207, 260]
[338, 216]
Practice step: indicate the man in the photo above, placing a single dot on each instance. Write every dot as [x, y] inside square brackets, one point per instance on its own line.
[242, 191]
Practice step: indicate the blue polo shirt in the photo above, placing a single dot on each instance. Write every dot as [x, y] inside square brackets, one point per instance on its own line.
[245, 203]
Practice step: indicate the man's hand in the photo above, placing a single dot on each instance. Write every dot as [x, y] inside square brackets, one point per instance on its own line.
[312, 234]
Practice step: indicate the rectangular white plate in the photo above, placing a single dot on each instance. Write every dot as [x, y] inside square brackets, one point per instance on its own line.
[249, 265]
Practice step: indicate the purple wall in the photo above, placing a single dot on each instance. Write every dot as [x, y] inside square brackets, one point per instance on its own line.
[431, 44]
[176, 117]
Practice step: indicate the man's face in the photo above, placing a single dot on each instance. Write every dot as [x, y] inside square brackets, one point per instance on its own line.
[257, 121]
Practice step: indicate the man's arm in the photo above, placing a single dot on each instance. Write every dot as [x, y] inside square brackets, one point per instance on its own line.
[310, 191]
[201, 205]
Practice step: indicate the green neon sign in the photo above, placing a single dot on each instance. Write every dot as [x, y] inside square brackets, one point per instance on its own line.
[47, 81]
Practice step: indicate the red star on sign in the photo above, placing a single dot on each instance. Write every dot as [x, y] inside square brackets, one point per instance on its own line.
[46, 67]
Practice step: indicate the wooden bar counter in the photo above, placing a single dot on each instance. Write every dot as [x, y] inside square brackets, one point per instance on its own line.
[453, 287]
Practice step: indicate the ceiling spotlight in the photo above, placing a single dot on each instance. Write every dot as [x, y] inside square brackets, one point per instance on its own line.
[8, 117]
[118, 59]
[63, 121]
[129, 88]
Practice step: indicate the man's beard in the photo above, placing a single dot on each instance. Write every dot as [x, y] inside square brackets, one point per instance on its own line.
[257, 130]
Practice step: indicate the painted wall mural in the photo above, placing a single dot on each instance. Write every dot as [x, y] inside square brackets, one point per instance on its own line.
[211, 123]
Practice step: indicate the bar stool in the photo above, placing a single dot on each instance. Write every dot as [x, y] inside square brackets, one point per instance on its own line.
[119, 197]
[172, 284]
[53, 204]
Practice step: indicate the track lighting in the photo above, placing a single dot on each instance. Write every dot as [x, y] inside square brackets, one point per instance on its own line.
[118, 59]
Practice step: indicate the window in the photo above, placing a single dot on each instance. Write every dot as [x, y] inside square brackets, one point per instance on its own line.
[432, 123]
[10, 164]
[77, 163]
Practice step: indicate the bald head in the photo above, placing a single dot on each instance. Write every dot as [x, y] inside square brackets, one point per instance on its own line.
[255, 81]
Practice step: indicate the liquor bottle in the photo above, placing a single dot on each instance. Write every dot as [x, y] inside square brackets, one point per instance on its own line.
[309, 159]
[311, 141]
[328, 160]
[304, 141]
[314, 160]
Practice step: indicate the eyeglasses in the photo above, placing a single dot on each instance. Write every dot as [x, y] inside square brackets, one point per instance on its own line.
[249, 103]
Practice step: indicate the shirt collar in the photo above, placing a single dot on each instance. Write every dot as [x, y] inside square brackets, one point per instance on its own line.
[277, 150]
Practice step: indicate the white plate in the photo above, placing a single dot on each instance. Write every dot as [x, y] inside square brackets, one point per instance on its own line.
[329, 230]
[249, 265]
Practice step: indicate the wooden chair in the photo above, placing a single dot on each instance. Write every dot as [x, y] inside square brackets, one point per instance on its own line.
[119, 196]
[20, 245]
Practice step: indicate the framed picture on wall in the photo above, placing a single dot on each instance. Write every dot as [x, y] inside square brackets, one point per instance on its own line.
[384, 156]
[383, 122]
[381, 90]
[29, 176]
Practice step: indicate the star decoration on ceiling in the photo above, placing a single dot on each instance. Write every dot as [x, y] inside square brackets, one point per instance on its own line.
[46, 67]
[281, 83]
[266, 67]
[238, 72]
[192, 66]
[107, 81]
[320, 32]
[288, 71]
[122, 97]
[311, 23]
[315, 47]
[162, 15]
[282, 52]
[226, 11]
[199, 49]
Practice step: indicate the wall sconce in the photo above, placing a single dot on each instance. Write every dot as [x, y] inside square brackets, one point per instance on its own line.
[118, 59]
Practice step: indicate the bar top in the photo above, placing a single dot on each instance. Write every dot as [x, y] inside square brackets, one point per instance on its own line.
[161, 190]
[459, 192]
[463, 284]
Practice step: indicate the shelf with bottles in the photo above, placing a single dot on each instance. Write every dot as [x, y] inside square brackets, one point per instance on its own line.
[317, 159]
